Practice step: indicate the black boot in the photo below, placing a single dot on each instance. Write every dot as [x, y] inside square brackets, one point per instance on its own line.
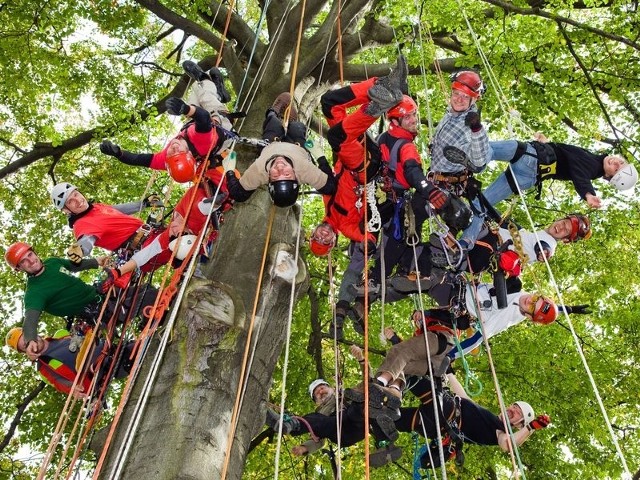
[194, 71]
[216, 77]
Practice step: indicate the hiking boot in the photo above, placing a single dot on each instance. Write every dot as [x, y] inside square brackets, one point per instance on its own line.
[371, 288]
[289, 424]
[194, 71]
[387, 427]
[280, 105]
[335, 329]
[445, 251]
[396, 81]
[385, 455]
[356, 314]
[216, 77]
[382, 100]
[409, 283]
[459, 157]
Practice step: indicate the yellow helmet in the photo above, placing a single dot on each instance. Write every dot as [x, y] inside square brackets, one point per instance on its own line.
[13, 336]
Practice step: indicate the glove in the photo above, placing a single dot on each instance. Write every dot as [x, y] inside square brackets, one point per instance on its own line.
[438, 198]
[578, 309]
[472, 120]
[539, 423]
[229, 162]
[113, 274]
[75, 254]
[175, 106]
[153, 200]
[109, 148]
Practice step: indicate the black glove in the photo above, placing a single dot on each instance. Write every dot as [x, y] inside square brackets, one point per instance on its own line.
[472, 120]
[175, 106]
[109, 148]
[578, 309]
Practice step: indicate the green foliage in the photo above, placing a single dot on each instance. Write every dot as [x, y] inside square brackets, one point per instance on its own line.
[69, 67]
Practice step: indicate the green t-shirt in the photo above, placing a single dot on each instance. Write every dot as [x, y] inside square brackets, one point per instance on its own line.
[56, 291]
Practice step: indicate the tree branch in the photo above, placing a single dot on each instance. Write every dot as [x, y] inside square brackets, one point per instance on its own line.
[20, 411]
[510, 8]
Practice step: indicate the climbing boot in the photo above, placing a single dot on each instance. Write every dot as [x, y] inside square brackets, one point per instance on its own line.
[216, 77]
[396, 81]
[335, 329]
[280, 105]
[194, 71]
[385, 455]
[387, 427]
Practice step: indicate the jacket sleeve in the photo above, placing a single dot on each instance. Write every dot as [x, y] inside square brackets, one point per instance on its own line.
[136, 159]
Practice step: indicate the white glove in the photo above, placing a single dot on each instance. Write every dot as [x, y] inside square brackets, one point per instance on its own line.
[314, 149]
[229, 162]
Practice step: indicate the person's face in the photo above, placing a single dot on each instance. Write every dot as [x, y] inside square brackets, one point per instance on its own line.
[22, 345]
[281, 170]
[526, 303]
[612, 164]
[460, 101]
[30, 263]
[560, 229]
[409, 122]
[324, 234]
[515, 415]
[76, 203]
[176, 145]
[321, 393]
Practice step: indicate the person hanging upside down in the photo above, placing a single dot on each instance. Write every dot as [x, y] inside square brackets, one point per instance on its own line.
[201, 200]
[196, 141]
[57, 361]
[536, 161]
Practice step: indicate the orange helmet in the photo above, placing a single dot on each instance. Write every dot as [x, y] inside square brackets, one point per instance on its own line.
[580, 227]
[545, 310]
[13, 337]
[15, 253]
[468, 82]
[181, 167]
[406, 107]
[320, 246]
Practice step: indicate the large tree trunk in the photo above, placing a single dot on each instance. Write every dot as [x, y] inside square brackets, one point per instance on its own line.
[184, 431]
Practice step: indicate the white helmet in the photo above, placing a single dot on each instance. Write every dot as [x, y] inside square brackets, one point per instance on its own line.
[527, 412]
[316, 383]
[625, 178]
[186, 242]
[60, 193]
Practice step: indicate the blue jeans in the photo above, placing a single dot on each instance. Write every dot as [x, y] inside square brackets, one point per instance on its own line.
[525, 170]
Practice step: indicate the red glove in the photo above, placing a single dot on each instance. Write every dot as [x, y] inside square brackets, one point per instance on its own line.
[539, 423]
[438, 198]
[113, 274]
[509, 262]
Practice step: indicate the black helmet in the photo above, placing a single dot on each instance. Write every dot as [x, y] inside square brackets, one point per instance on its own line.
[284, 193]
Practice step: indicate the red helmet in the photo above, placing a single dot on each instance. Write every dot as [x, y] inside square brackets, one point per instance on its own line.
[468, 82]
[406, 107]
[545, 310]
[580, 227]
[181, 167]
[15, 253]
[320, 246]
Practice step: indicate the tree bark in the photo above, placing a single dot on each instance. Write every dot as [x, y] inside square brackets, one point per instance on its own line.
[184, 431]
